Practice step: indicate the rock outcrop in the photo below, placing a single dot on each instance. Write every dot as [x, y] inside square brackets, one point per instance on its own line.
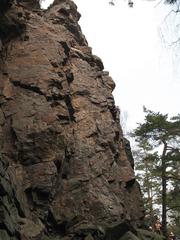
[64, 167]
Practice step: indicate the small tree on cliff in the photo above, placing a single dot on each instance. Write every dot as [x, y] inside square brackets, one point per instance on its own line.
[159, 132]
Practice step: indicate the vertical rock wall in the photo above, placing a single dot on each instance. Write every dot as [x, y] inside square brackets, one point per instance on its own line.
[64, 169]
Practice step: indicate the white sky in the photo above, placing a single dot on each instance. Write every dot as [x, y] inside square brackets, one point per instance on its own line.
[128, 41]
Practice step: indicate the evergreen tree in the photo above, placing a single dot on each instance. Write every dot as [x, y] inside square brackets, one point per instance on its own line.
[158, 132]
[149, 180]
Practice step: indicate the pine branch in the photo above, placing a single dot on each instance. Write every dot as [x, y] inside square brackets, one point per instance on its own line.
[173, 207]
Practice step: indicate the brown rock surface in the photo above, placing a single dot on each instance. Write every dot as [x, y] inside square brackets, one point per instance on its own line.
[64, 169]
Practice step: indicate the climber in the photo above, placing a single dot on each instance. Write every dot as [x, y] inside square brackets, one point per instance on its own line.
[157, 226]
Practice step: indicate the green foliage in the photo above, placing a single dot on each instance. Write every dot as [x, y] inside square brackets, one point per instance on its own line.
[157, 128]
[158, 163]
[148, 177]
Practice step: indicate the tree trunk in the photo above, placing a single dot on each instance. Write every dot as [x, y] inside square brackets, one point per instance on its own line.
[164, 191]
[149, 191]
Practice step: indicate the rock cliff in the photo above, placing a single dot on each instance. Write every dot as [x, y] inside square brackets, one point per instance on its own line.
[64, 167]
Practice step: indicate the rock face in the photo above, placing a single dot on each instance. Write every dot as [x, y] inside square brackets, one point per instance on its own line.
[64, 167]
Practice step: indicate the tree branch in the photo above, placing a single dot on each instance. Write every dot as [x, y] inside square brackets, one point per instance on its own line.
[174, 207]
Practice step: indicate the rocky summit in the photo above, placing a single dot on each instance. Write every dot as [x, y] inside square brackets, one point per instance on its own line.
[66, 171]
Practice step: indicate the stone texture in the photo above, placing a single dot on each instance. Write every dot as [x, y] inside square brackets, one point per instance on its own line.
[66, 171]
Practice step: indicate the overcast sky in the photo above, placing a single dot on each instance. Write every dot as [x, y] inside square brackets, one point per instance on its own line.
[130, 43]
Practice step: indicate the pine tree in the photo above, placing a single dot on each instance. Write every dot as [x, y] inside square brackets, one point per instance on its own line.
[148, 178]
[158, 132]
